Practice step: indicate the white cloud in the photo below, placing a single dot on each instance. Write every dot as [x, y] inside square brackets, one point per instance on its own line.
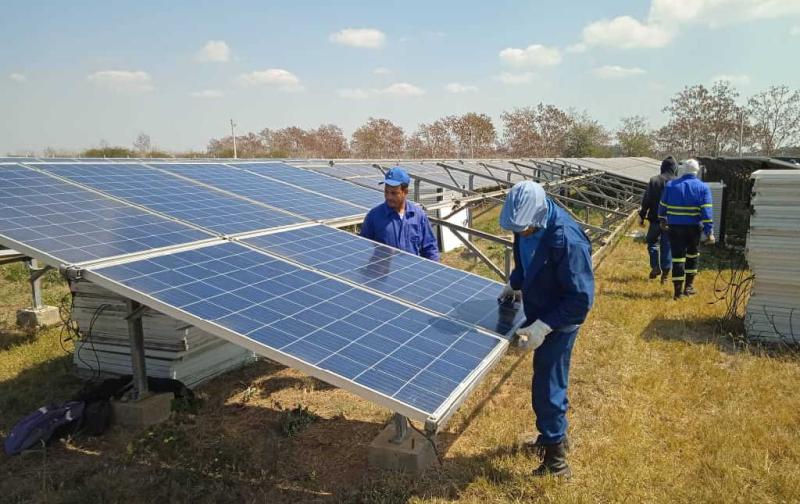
[795, 31]
[576, 48]
[625, 32]
[533, 55]
[123, 81]
[515, 78]
[455, 87]
[616, 72]
[403, 89]
[208, 94]
[719, 12]
[735, 79]
[369, 38]
[397, 89]
[381, 71]
[214, 51]
[283, 79]
[18, 77]
[353, 93]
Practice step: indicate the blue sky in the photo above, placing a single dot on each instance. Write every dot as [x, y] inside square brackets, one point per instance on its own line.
[75, 73]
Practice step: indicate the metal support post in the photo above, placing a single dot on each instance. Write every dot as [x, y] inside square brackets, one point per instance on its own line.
[416, 189]
[509, 252]
[400, 428]
[136, 335]
[36, 283]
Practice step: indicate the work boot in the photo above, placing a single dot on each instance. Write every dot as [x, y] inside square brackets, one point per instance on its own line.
[555, 461]
[654, 273]
[689, 289]
[533, 445]
[678, 290]
[664, 276]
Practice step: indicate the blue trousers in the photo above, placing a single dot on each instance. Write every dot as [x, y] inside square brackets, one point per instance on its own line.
[658, 247]
[549, 388]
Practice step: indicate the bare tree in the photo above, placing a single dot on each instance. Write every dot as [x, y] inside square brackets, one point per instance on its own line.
[431, 141]
[142, 144]
[587, 138]
[722, 119]
[378, 138]
[539, 131]
[329, 142]
[775, 116]
[634, 137]
[473, 133]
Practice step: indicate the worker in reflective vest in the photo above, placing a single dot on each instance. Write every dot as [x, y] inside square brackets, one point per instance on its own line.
[398, 222]
[553, 270]
[685, 212]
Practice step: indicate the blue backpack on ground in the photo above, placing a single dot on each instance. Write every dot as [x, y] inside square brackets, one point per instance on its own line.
[41, 426]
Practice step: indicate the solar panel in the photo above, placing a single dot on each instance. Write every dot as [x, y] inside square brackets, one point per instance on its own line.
[418, 364]
[62, 223]
[284, 196]
[318, 182]
[172, 196]
[426, 283]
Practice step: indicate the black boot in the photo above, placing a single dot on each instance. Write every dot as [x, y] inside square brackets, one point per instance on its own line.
[664, 276]
[654, 273]
[555, 461]
[534, 445]
[678, 289]
[689, 290]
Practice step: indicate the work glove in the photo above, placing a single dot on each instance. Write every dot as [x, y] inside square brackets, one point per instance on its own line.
[708, 239]
[508, 293]
[533, 336]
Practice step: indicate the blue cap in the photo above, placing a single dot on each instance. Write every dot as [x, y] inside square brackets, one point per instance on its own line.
[396, 176]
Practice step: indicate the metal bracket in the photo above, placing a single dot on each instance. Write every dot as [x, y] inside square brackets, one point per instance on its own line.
[400, 429]
[36, 273]
[71, 273]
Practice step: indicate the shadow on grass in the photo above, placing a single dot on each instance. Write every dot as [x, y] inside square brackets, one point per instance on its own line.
[13, 337]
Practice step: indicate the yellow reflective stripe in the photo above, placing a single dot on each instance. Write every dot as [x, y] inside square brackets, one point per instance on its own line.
[708, 221]
[690, 214]
[706, 205]
[679, 260]
[678, 279]
[676, 207]
[693, 256]
[691, 272]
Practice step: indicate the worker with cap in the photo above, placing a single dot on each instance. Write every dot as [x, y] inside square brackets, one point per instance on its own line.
[657, 241]
[553, 270]
[398, 222]
[685, 213]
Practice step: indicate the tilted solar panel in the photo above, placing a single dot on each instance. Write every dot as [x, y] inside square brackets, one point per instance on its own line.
[415, 363]
[426, 283]
[274, 193]
[172, 196]
[59, 222]
[316, 181]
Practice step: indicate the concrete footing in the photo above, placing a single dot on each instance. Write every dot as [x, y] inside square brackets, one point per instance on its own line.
[413, 455]
[141, 413]
[31, 318]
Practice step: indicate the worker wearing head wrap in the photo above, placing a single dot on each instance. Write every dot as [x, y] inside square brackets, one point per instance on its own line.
[685, 212]
[553, 270]
[657, 241]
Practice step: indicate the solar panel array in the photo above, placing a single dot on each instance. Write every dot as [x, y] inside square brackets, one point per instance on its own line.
[434, 286]
[415, 361]
[69, 224]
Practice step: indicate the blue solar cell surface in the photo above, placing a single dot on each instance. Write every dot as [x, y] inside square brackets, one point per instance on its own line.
[277, 194]
[170, 195]
[403, 353]
[426, 283]
[74, 225]
[317, 181]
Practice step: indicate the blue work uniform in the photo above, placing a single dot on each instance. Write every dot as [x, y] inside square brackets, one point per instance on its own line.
[686, 206]
[558, 289]
[412, 232]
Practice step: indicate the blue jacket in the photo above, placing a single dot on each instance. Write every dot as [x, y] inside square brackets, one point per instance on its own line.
[559, 286]
[411, 233]
[686, 201]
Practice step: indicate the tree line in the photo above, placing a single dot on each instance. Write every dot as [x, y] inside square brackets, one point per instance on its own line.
[701, 121]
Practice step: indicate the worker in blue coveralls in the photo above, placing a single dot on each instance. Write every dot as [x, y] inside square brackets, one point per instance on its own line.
[553, 270]
[685, 212]
[398, 222]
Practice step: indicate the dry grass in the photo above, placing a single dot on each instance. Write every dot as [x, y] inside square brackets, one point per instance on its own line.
[663, 411]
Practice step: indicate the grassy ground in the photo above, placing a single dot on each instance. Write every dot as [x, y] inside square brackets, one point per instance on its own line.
[662, 410]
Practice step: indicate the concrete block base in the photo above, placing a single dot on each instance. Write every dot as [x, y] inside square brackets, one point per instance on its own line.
[413, 455]
[31, 318]
[150, 410]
